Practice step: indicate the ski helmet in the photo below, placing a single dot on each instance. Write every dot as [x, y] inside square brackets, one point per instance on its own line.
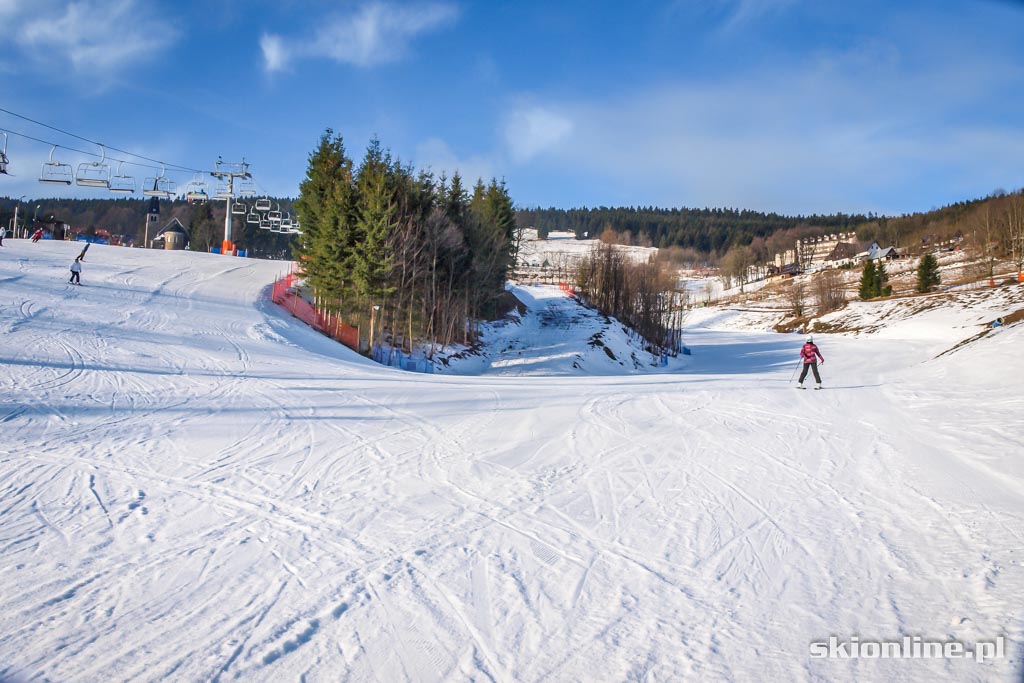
[810, 339]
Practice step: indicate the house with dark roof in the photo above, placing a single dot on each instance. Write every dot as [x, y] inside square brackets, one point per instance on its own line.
[843, 254]
[172, 236]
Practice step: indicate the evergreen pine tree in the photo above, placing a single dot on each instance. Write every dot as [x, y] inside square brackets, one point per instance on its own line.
[324, 208]
[372, 254]
[928, 277]
[202, 231]
[881, 277]
[454, 199]
[869, 281]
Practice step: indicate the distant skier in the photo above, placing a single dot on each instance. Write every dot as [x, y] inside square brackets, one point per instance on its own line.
[3, 234]
[37, 235]
[810, 355]
[76, 271]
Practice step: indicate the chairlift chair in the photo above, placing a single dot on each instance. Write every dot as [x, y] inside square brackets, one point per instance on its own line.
[94, 173]
[196, 190]
[252, 218]
[222, 191]
[263, 204]
[246, 188]
[159, 186]
[56, 173]
[265, 224]
[120, 183]
[275, 216]
[3, 155]
[239, 209]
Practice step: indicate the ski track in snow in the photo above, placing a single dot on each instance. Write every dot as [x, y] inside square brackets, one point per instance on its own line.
[195, 486]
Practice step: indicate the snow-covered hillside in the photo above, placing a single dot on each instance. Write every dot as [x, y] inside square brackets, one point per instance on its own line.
[562, 248]
[556, 336]
[195, 486]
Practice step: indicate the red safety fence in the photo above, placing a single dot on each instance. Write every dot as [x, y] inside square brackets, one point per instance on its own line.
[567, 288]
[286, 295]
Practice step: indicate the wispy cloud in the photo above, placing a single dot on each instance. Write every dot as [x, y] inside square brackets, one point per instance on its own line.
[97, 39]
[275, 54]
[438, 156]
[378, 33]
[741, 13]
[531, 131]
[796, 139]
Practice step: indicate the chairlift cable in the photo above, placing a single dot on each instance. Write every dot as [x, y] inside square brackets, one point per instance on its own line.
[82, 151]
[93, 142]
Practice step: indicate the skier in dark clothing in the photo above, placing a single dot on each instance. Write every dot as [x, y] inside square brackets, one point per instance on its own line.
[76, 271]
[810, 355]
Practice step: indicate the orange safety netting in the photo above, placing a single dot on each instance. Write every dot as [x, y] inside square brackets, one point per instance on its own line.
[285, 295]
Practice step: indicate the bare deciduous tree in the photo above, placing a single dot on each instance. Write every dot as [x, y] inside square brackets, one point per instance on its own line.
[828, 288]
[798, 298]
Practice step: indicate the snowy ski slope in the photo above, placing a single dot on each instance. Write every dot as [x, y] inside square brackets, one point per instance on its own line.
[193, 486]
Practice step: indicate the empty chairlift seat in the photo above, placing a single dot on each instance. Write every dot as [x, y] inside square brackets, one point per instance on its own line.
[94, 173]
[3, 155]
[56, 173]
[121, 183]
[159, 186]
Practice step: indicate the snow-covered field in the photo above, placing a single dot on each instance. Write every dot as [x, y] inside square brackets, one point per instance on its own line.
[194, 486]
[562, 249]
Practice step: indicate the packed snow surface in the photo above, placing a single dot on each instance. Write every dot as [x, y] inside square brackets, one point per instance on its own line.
[195, 486]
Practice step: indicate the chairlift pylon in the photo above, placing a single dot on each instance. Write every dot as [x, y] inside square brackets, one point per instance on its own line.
[159, 186]
[3, 155]
[120, 183]
[94, 173]
[55, 172]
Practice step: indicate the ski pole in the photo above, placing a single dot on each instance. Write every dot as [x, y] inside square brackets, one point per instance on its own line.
[795, 369]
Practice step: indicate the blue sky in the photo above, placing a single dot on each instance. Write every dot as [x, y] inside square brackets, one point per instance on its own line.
[775, 105]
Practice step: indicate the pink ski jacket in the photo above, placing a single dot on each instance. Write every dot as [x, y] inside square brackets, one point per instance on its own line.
[809, 351]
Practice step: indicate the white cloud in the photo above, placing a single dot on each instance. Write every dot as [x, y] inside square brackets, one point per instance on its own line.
[378, 33]
[97, 38]
[532, 131]
[275, 55]
[846, 132]
[744, 12]
[436, 155]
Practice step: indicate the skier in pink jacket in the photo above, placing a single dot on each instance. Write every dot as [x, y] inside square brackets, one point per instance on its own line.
[810, 354]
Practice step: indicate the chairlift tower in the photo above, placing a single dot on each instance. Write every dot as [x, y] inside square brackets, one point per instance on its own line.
[226, 172]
